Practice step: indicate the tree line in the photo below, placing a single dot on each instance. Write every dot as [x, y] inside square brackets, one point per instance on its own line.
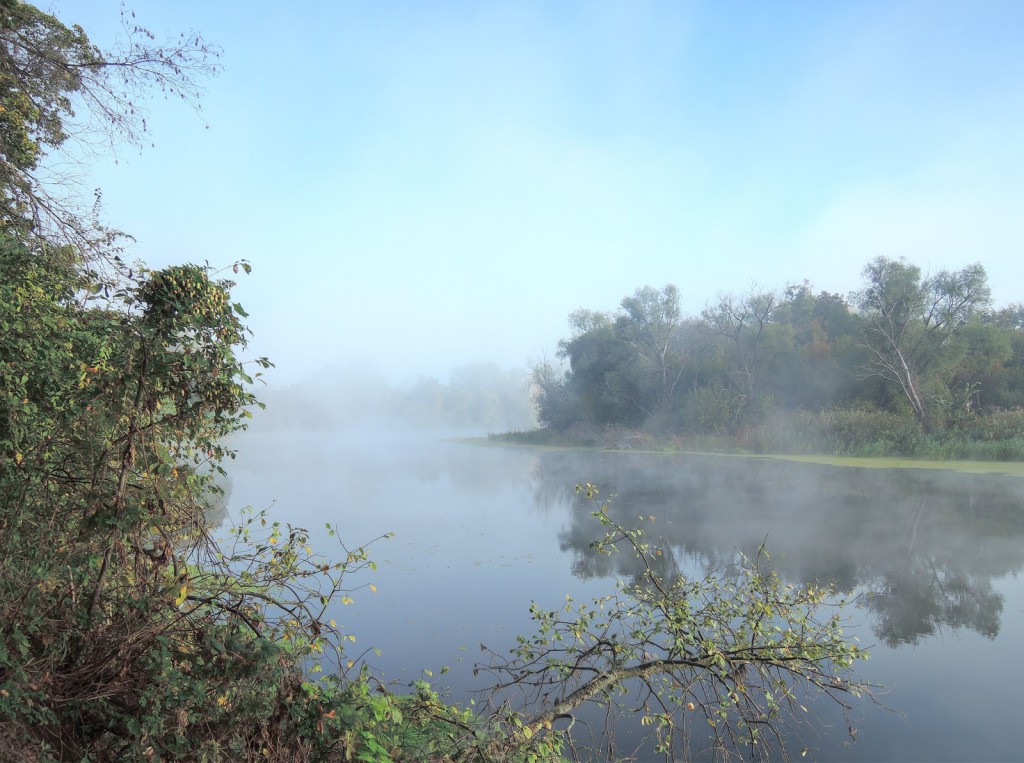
[927, 347]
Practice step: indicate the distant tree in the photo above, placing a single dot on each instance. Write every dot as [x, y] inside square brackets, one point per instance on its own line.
[744, 322]
[742, 330]
[487, 395]
[1010, 317]
[814, 345]
[650, 325]
[601, 375]
[1004, 386]
[909, 322]
[626, 367]
[980, 378]
[557, 405]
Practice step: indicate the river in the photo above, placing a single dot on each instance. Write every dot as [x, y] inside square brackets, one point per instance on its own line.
[480, 532]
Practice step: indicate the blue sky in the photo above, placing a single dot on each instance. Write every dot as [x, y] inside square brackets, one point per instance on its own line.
[425, 185]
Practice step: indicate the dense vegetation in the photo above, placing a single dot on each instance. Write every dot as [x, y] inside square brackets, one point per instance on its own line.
[133, 628]
[912, 364]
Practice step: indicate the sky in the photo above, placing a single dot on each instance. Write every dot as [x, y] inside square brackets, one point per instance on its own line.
[420, 186]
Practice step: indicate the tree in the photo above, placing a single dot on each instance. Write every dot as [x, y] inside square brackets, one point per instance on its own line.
[909, 322]
[980, 377]
[995, 359]
[733, 657]
[602, 377]
[121, 619]
[557, 406]
[741, 328]
[650, 326]
[627, 367]
[815, 343]
[55, 87]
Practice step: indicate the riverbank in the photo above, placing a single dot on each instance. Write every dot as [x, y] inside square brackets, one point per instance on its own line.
[991, 443]
[1013, 468]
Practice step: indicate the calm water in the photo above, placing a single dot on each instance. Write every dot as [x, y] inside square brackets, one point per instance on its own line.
[480, 532]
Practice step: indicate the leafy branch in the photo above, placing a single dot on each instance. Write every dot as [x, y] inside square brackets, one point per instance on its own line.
[729, 661]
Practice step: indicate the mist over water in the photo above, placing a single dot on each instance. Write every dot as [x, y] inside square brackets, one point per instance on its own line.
[471, 399]
[479, 532]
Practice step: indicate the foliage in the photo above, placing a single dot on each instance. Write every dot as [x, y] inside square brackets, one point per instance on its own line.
[730, 660]
[794, 370]
[909, 322]
[744, 328]
[56, 86]
[623, 368]
[868, 432]
[557, 406]
[124, 623]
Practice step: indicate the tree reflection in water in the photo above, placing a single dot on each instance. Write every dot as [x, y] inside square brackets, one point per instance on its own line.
[923, 546]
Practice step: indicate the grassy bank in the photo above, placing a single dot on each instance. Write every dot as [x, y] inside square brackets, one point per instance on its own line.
[827, 436]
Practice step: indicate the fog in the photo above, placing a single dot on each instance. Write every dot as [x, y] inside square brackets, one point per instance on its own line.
[472, 400]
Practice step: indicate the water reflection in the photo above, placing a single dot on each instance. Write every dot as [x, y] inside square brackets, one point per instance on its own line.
[482, 532]
[923, 546]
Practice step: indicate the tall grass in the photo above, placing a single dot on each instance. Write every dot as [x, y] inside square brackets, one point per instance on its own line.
[991, 436]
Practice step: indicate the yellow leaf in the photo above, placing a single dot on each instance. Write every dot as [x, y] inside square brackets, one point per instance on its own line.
[181, 596]
[373, 588]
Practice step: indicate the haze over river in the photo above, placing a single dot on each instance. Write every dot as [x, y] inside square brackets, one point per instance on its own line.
[480, 532]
